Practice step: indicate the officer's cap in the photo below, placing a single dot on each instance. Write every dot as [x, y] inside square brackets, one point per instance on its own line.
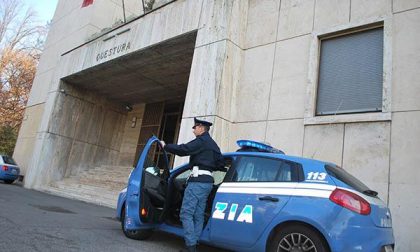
[198, 122]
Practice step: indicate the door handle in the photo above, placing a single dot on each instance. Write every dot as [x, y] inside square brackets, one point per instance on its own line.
[269, 198]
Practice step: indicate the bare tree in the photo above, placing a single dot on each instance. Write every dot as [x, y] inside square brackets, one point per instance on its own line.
[19, 29]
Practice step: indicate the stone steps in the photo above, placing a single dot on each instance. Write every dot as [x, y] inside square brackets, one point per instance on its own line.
[100, 185]
[90, 182]
[82, 195]
[110, 176]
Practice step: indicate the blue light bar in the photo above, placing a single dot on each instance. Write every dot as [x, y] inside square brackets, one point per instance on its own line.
[257, 145]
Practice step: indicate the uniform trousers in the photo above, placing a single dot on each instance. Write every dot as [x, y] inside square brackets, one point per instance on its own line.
[192, 210]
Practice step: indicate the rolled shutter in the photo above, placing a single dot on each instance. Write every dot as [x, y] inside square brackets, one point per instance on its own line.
[350, 73]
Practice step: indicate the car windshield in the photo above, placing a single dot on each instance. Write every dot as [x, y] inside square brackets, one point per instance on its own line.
[341, 174]
[9, 160]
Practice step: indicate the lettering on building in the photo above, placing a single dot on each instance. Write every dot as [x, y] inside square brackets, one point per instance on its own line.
[124, 47]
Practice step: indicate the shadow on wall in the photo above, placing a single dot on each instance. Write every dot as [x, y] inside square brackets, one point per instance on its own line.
[87, 131]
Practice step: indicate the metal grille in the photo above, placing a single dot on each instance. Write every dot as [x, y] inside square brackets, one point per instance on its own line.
[350, 74]
[150, 125]
[153, 114]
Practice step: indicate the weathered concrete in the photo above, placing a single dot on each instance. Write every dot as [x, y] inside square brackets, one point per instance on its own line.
[131, 135]
[403, 5]
[296, 18]
[252, 96]
[289, 79]
[287, 135]
[366, 153]
[324, 142]
[251, 69]
[83, 133]
[362, 10]
[262, 21]
[331, 13]
[406, 61]
[404, 176]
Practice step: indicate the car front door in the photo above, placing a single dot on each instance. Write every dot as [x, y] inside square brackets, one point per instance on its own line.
[253, 193]
[147, 185]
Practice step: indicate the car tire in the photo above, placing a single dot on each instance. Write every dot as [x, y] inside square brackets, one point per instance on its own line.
[297, 238]
[8, 181]
[141, 234]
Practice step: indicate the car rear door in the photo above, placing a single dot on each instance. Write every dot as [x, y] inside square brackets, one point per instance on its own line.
[147, 185]
[254, 192]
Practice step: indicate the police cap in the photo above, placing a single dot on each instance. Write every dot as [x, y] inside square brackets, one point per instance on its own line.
[198, 122]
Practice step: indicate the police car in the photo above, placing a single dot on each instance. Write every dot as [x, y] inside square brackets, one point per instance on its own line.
[266, 201]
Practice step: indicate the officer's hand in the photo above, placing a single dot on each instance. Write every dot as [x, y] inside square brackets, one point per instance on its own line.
[163, 143]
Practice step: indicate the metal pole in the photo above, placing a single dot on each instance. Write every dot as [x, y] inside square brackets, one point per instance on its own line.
[144, 11]
[123, 6]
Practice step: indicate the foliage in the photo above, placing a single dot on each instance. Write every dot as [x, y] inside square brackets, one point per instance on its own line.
[21, 43]
[17, 72]
[148, 5]
[8, 137]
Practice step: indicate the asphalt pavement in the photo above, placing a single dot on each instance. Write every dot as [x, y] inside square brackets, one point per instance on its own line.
[36, 221]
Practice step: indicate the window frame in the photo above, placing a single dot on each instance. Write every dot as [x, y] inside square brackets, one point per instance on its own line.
[4, 159]
[297, 167]
[310, 117]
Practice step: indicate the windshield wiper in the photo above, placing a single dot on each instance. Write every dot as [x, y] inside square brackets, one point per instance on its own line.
[370, 193]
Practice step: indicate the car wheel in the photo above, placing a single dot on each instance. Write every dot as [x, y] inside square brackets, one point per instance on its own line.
[141, 234]
[297, 238]
[8, 181]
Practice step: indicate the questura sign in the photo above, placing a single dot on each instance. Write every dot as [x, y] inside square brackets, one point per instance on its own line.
[124, 47]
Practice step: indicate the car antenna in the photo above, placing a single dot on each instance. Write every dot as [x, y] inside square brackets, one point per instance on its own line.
[323, 145]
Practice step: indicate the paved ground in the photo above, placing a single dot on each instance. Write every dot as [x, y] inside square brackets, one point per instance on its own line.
[35, 221]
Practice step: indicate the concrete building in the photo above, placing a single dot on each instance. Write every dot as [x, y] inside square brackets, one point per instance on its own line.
[335, 80]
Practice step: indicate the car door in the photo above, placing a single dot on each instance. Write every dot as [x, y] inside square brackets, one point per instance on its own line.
[253, 193]
[147, 185]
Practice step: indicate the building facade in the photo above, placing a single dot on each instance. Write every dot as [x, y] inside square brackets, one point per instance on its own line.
[335, 80]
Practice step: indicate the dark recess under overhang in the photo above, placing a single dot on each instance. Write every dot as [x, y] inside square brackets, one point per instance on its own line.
[153, 74]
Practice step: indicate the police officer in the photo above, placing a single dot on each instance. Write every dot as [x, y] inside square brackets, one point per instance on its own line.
[205, 157]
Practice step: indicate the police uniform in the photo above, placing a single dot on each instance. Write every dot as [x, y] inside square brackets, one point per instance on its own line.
[205, 157]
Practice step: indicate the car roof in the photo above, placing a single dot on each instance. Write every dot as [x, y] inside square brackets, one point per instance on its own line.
[301, 160]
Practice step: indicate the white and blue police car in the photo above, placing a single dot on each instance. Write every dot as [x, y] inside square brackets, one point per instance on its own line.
[266, 201]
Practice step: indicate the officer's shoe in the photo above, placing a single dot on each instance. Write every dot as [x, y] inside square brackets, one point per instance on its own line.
[189, 249]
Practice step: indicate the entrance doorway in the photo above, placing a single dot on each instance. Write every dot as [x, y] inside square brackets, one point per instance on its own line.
[162, 119]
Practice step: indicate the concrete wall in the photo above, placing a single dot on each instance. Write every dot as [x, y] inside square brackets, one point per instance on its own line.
[254, 75]
[71, 26]
[131, 135]
[85, 131]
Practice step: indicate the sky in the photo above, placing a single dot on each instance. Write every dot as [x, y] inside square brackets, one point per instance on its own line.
[44, 8]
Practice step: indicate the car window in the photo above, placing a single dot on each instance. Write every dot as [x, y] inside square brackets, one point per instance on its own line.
[219, 176]
[344, 176]
[261, 169]
[155, 163]
[9, 160]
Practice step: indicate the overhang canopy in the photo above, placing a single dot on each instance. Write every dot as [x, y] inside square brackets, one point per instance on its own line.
[154, 74]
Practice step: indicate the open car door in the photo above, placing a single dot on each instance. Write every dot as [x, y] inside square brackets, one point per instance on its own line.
[147, 188]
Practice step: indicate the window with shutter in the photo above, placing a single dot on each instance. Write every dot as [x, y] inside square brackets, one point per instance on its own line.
[351, 73]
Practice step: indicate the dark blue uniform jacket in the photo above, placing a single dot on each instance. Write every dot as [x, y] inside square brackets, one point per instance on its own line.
[203, 152]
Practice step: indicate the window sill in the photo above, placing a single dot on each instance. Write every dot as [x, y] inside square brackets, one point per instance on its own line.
[348, 118]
